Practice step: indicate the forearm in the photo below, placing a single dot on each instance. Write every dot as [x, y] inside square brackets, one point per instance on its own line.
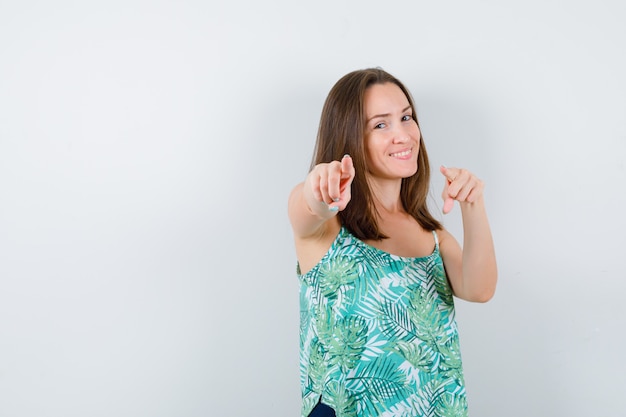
[307, 214]
[479, 259]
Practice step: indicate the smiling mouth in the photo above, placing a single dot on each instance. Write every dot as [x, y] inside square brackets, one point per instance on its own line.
[401, 154]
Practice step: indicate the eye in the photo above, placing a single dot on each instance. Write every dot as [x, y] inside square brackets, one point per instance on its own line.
[407, 117]
[380, 126]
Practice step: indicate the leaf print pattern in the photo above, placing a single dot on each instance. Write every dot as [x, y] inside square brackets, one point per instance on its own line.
[396, 323]
[377, 382]
[451, 406]
[378, 335]
[420, 356]
[336, 273]
[338, 397]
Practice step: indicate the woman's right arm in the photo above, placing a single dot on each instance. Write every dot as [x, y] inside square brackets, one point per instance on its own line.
[324, 192]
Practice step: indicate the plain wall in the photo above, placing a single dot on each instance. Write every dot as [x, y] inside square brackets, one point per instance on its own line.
[147, 150]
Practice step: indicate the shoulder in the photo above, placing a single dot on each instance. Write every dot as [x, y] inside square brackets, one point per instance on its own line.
[294, 194]
[443, 235]
[310, 250]
[448, 245]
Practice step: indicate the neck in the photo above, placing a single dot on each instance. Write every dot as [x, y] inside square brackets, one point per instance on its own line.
[387, 196]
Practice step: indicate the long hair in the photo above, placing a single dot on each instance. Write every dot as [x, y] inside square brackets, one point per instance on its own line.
[342, 131]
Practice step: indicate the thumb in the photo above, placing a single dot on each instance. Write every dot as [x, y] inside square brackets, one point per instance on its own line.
[448, 205]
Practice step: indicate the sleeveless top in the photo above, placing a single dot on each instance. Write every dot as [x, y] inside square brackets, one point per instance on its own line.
[378, 335]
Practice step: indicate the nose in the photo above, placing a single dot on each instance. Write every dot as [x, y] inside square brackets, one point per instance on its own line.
[401, 134]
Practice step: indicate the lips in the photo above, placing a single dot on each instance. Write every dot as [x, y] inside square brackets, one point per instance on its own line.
[401, 154]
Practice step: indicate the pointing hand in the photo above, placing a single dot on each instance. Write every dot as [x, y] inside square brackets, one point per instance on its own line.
[329, 183]
[461, 185]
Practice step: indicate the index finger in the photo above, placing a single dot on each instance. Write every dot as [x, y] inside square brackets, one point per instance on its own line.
[449, 173]
[347, 167]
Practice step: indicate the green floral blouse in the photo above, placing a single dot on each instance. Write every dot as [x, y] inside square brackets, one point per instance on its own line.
[378, 335]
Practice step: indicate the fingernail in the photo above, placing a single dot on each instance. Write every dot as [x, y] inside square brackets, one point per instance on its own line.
[333, 208]
[335, 200]
[345, 155]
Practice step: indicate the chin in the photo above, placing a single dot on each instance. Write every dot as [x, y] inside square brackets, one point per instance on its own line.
[410, 173]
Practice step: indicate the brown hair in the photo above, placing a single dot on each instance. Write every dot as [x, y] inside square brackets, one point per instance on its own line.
[342, 131]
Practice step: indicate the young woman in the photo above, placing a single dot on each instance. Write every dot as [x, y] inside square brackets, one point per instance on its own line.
[377, 271]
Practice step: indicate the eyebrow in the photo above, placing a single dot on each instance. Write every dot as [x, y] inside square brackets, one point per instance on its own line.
[386, 114]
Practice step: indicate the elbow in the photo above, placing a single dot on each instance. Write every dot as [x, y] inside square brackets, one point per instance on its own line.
[483, 296]
[477, 295]
[488, 289]
[484, 291]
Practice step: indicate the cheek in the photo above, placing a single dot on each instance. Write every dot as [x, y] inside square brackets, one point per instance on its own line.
[418, 138]
[372, 146]
[418, 132]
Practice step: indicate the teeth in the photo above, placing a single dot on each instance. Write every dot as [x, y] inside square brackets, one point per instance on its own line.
[405, 153]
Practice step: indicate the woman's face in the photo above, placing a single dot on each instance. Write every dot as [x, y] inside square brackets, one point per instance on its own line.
[391, 134]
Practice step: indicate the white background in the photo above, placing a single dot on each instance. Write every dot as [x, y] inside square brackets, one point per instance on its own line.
[147, 150]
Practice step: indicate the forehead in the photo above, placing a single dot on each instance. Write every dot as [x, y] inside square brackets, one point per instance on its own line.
[384, 98]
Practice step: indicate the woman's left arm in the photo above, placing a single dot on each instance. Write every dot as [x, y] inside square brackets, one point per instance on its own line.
[472, 270]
